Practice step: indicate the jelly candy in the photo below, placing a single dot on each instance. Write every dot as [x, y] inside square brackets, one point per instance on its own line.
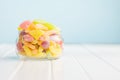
[19, 46]
[36, 33]
[27, 51]
[45, 44]
[28, 38]
[25, 24]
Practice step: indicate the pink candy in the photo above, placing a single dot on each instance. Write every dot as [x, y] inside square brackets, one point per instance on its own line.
[42, 38]
[19, 46]
[45, 44]
[25, 24]
[23, 33]
[28, 38]
[55, 38]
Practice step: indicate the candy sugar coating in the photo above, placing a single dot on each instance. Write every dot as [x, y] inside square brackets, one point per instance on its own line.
[39, 39]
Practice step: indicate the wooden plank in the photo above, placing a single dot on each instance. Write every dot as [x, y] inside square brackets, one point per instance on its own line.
[7, 67]
[72, 70]
[97, 69]
[77, 63]
[64, 68]
[34, 70]
[110, 54]
[9, 62]
[57, 69]
[6, 49]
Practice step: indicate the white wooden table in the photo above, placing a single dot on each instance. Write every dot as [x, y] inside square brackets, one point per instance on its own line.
[79, 62]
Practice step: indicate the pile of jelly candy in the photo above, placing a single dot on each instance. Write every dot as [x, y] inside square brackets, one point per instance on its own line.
[39, 39]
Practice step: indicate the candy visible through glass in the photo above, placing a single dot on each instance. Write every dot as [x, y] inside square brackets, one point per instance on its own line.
[39, 39]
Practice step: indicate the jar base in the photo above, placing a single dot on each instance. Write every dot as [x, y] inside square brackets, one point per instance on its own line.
[37, 58]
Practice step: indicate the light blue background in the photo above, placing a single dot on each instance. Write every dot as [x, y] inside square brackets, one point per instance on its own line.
[81, 21]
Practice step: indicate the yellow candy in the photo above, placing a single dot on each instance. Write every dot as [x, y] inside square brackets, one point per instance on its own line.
[37, 55]
[36, 33]
[40, 49]
[48, 53]
[34, 42]
[39, 21]
[52, 43]
[27, 51]
[20, 29]
[40, 54]
[55, 50]
[49, 26]
[43, 55]
[29, 45]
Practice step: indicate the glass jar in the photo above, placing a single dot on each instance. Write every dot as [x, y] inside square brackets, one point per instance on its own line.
[39, 39]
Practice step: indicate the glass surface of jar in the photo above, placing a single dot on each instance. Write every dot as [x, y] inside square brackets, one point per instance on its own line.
[39, 39]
